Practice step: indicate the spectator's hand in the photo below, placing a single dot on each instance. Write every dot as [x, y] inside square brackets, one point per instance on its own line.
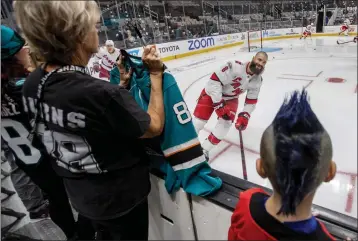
[151, 59]
[124, 74]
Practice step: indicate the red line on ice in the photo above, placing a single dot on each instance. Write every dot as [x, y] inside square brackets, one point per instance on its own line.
[211, 160]
[302, 75]
[350, 197]
[236, 145]
[306, 86]
[293, 79]
[187, 88]
[347, 173]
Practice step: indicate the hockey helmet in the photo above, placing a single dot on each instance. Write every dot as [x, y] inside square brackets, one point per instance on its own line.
[109, 43]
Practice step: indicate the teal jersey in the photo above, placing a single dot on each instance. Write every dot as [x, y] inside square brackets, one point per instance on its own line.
[179, 140]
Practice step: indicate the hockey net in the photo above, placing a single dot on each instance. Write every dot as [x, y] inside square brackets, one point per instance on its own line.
[252, 41]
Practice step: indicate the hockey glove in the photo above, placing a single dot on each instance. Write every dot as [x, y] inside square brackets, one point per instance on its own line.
[223, 111]
[96, 66]
[242, 121]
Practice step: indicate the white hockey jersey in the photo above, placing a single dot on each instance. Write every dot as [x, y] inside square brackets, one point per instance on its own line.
[232, 80]
[108, 59]
[308, 28]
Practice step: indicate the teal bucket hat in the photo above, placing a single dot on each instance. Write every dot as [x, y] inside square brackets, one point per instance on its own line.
[11, 42]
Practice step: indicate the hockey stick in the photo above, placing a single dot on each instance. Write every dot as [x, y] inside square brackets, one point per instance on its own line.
[133, 24]
[243, 160]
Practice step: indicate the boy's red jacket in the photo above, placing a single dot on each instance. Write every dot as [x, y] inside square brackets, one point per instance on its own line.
[251, 221]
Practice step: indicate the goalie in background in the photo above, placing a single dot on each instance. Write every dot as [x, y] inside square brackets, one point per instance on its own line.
[221, 94]
[296, 157]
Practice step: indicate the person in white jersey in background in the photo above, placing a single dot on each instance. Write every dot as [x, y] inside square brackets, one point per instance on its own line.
[221, 93]
[108, 56]
[345, 27]
[307, 32]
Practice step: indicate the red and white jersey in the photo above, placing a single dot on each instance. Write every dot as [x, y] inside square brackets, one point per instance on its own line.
[232, 80]
[308, 28]
[345, 27]
[108, 59]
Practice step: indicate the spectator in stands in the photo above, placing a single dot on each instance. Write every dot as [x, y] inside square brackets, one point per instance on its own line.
[93, 128]
[30, 194]
[296, 157]
[31, 161]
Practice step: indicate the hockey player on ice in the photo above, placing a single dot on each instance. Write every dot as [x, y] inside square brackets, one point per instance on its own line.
[108, 55]
[221, 93]
[345, 27]
[307, 32]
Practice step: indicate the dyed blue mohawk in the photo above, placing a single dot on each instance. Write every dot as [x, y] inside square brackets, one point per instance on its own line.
[297, 135]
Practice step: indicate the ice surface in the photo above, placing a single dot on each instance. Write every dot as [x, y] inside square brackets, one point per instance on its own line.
[300, 63]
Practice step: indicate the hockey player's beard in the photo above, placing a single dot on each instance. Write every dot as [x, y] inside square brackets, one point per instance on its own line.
[254, 69]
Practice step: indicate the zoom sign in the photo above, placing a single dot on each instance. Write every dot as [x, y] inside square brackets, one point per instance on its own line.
[201, 43]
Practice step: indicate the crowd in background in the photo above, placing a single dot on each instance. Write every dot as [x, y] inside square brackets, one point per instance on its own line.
[163, 21]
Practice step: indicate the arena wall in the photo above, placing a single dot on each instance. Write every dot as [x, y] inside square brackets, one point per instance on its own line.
[179, 49]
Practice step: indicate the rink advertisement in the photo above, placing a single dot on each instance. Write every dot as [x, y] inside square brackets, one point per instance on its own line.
[202, 43]
[270, 33]
[179, 49]
[228, 39]
[292, 31]
[169, 49]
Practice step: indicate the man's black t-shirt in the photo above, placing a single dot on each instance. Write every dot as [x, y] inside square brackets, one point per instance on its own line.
[92, 129]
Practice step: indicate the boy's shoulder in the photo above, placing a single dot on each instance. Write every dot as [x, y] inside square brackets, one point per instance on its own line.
[250, 220]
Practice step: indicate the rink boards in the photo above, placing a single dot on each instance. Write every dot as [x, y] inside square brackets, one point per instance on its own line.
[184, 48]
[180, 216]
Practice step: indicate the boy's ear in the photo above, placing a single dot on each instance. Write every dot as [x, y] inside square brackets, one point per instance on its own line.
[260, 169]
[331, 172]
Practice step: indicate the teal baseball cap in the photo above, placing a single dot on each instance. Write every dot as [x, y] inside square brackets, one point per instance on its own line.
[11, 42]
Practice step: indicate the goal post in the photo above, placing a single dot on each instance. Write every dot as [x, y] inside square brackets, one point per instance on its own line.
[252, 41]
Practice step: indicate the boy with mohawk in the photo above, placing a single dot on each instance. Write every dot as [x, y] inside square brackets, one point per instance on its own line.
[296, 156]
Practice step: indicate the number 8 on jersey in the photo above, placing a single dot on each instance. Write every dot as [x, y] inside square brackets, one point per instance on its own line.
[182, 112]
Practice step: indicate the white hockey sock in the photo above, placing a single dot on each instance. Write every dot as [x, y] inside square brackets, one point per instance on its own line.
[210, 142]
[199, 124]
